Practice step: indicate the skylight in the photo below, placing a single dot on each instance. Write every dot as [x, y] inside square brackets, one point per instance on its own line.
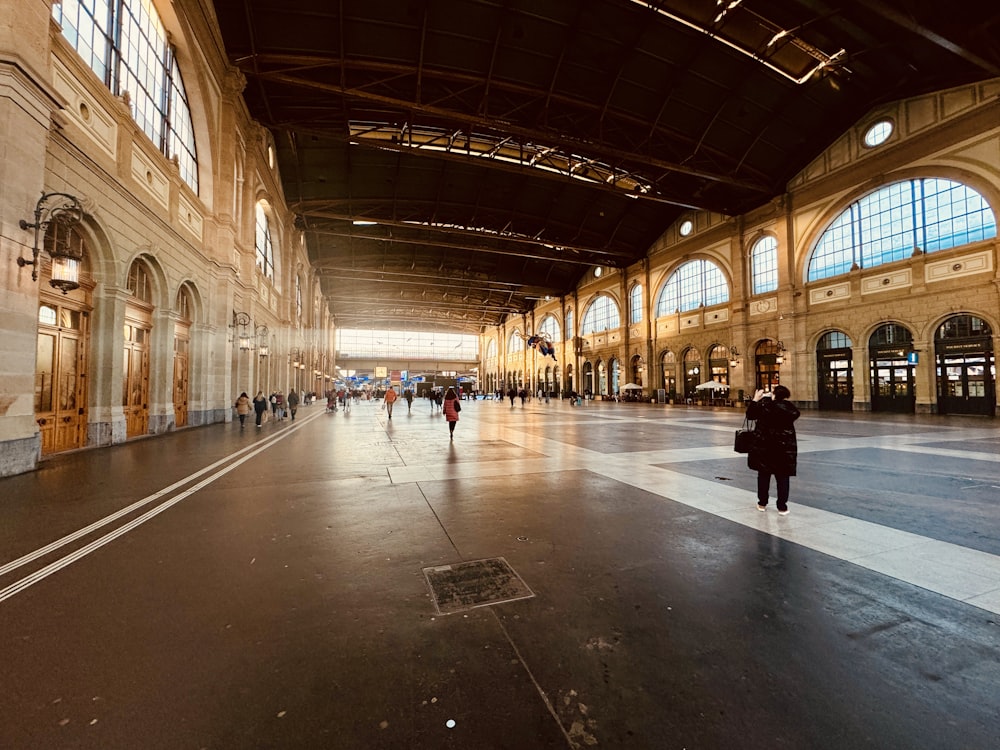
[750, 23]
[506, 149]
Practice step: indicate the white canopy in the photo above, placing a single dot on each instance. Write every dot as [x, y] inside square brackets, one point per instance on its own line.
[711, 385]
[631, 387]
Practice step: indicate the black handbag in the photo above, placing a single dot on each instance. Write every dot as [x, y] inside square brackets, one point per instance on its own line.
[458, 406]
[746, 437]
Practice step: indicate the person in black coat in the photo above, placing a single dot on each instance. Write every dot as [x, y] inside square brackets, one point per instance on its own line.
[775, 452]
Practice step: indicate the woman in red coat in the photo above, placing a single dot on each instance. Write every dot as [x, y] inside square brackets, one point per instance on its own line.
[775, 452]
[451, 408]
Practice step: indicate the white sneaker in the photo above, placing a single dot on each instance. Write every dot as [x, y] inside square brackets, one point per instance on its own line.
[762, 508]
[783, 512]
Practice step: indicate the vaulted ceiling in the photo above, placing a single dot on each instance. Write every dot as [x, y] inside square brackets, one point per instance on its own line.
[502, 148]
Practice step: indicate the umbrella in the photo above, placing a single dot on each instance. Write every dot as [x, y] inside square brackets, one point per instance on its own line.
[711, 385]
[631, 387]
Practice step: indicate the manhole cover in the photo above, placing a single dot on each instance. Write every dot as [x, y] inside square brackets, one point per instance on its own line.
[474, 584]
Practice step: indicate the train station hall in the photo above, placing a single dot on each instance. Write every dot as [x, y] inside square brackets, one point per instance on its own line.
[373, 375]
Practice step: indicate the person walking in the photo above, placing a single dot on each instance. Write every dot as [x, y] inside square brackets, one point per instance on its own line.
[775, 452]
[243, 408]
[259, 406]
[408, 395]
[390, 399]
[511, 394]
[293, 402]
[452, 406]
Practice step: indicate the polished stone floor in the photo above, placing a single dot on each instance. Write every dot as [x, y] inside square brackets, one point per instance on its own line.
[271, 588]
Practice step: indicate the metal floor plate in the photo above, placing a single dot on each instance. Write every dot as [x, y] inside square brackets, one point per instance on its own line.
[478, 583]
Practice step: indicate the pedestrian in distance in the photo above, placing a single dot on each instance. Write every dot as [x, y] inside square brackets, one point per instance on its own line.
[243, 408]
[452, 406]
[775, 451]
[293, 402]
[259, 406]
[390, 399]
[408, 395]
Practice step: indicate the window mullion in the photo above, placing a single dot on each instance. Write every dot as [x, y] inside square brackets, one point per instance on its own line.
[116, 10]
[168, 67]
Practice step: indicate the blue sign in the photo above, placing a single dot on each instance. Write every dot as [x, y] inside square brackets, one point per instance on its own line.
[912, 358]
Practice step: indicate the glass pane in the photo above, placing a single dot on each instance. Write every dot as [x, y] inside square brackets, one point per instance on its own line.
[44, 372]
[126, 371]
[67, 374]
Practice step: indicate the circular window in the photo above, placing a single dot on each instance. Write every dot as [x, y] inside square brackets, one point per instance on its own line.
[878, 133]
[598, 271]
[686, 227]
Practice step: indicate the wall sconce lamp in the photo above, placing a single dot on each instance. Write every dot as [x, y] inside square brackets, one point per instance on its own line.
[734, 355]
[65, 248]
[260, 333]
[782, 353]
[242, 320]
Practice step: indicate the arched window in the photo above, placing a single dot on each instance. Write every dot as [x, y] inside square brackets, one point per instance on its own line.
[696, 283]
[834, 340]
[549, 328]
[138, 282]
[601, 315]
[126, 45]
[491, 349]
[265, 252]
[569, 324]
[515, 343]
[925, 214]
[764, 265]
[298, 298]
[185, 306]
[635, 304]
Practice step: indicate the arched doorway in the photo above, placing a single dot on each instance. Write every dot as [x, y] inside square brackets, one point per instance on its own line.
[61, 361]
[966, 369]
[615, 384]
[835, 373]
[182, 346]
[636, 366]
[768, 358]
[668, 369]
[893, 369]
[569, 379]
[692, 372]
[138, 330]
[718, 364]
[588, 378]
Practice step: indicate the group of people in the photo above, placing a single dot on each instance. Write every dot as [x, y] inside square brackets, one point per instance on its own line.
[449, 403]
[280, 404]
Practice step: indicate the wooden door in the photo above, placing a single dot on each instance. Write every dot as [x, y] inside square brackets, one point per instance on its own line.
[60, 378]
[135, 380]
[180, 381]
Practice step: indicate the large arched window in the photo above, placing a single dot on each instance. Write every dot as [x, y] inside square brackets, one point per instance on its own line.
[764, 265]
[601, 315]
[569, 324]
[550, 328]
[265, 251]
[696, 283]
[515, 343]
[126, 45]
[890, 224]
[491, 349]
[635, 304]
